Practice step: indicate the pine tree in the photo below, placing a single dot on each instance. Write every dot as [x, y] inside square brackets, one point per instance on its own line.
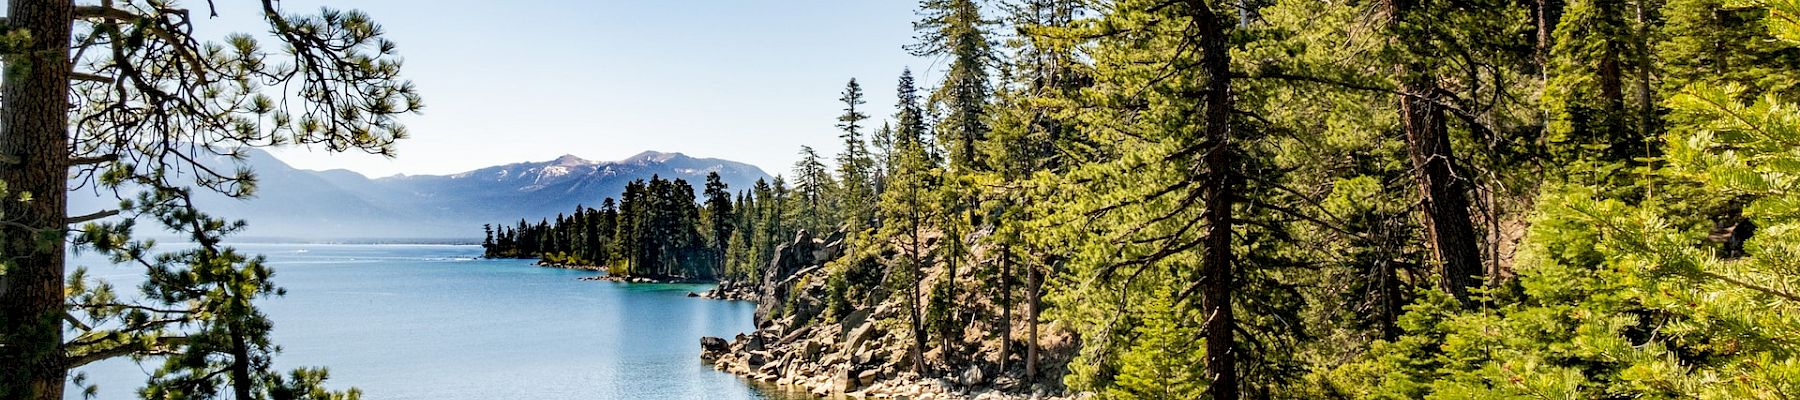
[908, 209]
[955, 28]
[1443, 193]
[1027, 130]
[1588, 70]
[911, 114]
[1159, 205]
[721, 218]
[1720, 41]
[104, 111]
[856, 201]
[814, 186]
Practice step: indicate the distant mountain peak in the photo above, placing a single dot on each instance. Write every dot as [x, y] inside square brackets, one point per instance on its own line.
[653, 156]
[570, 159]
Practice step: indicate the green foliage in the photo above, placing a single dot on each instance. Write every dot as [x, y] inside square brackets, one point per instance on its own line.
[1625, 297]
[1164, 361]
[1727, 41]
[956, 28]
[1595, 49]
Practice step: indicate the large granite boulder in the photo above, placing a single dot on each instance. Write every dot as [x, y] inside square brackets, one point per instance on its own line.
[789, 259]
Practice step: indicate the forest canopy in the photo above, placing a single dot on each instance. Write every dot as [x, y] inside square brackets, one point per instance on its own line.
[1322, 199]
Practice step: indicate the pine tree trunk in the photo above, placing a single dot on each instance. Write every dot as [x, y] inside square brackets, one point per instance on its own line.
[1612, 89]
[918, 277]
[1443, 193]
[240, 365]
[1646, 107]
[947, 333]
[1033, 295]
[1005, 305]
[1216, 258]
[34, 126]
[1388, 292]
[1542, 50]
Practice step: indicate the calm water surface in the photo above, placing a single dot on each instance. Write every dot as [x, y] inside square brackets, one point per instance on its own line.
[435, 322]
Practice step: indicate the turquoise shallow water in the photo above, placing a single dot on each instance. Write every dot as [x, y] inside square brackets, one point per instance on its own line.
[435, 322]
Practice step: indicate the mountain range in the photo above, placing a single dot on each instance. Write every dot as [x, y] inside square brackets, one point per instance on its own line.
[293, 203]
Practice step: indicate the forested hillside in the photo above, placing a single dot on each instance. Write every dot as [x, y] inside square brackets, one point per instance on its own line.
[1301, 199]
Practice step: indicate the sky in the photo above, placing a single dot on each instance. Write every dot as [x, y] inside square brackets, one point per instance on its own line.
[530, 80]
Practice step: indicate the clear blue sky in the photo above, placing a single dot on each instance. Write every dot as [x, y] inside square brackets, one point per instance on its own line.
[529, 80]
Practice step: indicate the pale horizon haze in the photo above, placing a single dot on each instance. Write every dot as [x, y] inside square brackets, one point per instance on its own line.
[531, 80]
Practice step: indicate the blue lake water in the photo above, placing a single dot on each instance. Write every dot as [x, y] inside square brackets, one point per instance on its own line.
[436, 322]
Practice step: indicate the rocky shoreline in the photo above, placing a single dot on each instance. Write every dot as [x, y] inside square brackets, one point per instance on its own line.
[857, 355]
[861, 362]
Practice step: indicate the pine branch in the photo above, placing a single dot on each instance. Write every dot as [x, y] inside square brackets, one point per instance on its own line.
[1752, 286]
[91, 217]
[79, 161]
[164, 345]
[104, 12]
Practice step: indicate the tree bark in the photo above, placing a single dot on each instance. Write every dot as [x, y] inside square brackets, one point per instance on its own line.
[1612, 90]
[948, 333]
[1542, 50]
[1005, 305]
[1390, 304]
[1443, 194]
[1033, 296]
[1646, 106]
[1217, 273]
[918, 276]
[241, 382]
[34, 126]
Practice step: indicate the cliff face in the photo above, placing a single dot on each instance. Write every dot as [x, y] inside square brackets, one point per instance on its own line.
[829, 323]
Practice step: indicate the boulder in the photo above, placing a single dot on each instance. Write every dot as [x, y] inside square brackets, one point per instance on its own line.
[867, 377]
[830, 251]
[713, 345]
[854, 341]
[865, 356]
[809, 350]
[836, 236]
[856, 319]
[795, 335]
[847, 380]
[972, 376]
[755, 343]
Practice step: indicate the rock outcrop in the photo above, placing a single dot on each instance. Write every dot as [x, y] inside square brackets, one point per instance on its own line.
[777, 277]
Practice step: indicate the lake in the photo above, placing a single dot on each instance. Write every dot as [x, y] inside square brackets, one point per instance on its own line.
[437, 322]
